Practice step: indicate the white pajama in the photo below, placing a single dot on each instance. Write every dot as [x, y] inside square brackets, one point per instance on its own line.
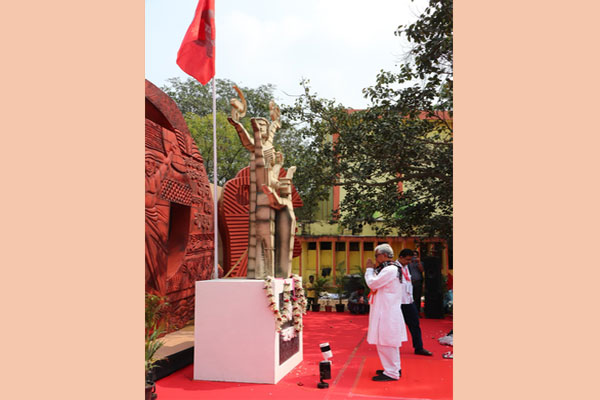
[390, 359]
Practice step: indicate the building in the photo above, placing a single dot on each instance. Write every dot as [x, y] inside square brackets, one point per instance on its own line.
[328, 249]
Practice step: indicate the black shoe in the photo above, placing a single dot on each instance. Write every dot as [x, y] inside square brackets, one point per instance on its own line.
[380, 372]
[382, 378]
[423, 352]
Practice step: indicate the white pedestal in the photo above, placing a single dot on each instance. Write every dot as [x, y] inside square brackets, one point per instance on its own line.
[235, 339]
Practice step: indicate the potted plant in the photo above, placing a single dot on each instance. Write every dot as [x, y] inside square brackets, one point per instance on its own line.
[320, 285]
[328, 306]
[340, 281]
[155, 327]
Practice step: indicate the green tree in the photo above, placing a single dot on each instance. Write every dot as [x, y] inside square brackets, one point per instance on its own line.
[395, 158]
[299, 152]
[193, 97]
[231, 155]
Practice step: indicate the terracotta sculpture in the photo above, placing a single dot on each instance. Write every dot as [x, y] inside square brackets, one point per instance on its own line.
[271, 215]
[179, 209]
[156, 249]
[279, 192]
[234, 208]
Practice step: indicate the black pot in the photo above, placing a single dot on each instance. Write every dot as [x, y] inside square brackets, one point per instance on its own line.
[340, 307]
[316, 307]
[150, 391]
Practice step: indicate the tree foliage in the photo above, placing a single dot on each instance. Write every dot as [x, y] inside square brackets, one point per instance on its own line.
[395, 158]
[299, 152]
[231, 155]
[193, 97]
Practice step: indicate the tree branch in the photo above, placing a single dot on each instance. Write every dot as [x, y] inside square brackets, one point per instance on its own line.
[403, 178]
[433, 142]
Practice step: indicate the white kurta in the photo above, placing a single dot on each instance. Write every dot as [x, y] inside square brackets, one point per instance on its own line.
[386, 323]
[407, 287]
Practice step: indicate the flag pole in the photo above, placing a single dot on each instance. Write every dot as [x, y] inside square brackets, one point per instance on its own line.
[216, 226]
[196, 57]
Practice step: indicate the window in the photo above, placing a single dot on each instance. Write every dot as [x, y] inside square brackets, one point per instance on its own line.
[325, 245]
[312, 245]
[354, 246]
[368, 246]
[340, 246]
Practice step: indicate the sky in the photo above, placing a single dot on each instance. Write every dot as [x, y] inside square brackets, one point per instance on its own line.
[339, 45]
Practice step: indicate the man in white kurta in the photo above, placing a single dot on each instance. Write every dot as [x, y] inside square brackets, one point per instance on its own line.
[386, 323]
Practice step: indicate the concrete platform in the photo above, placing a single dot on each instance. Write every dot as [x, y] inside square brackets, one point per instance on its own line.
[237, 340]
[178, 350]
[177, 341]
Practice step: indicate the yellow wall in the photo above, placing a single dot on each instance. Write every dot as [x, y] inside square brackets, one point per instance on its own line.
[369, 254]
[355, 262]
[325, 207]
[340, 260]
[325, 260]
[310, 263]
[309, 257]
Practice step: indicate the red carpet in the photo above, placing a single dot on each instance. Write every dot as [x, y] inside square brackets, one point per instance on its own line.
[354, 363]
[418, 381]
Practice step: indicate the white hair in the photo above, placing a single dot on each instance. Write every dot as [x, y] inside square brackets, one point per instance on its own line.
[385, 249]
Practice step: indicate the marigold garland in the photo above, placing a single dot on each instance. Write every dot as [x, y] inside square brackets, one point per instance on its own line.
[292, 310]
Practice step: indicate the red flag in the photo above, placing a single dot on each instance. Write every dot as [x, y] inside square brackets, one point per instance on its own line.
[196, 56]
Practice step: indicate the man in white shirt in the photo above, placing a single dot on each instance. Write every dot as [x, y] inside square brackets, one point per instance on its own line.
[409, 310]
[386, 324]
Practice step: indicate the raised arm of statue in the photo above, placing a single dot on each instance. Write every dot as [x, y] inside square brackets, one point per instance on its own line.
[274, 112]
[275, 115]
[238, 111]
[238, 108]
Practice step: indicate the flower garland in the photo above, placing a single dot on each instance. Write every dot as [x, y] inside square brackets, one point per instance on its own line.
[291, 309]
[299, 307]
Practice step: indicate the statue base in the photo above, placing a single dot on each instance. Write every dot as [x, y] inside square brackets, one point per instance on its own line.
[235, 337]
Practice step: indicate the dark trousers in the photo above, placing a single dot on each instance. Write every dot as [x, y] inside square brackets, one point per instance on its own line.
[417, 293]
[411, 318]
